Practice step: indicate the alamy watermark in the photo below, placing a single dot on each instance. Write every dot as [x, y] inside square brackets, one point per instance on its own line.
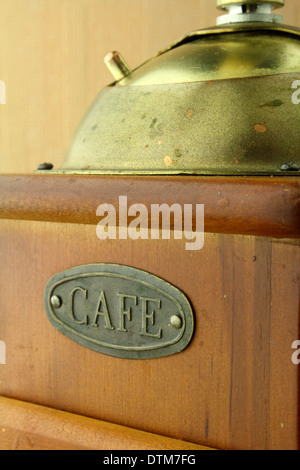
[135, 222]
[296, 94]
[2, 352]
[296, 354]
[151, 459]
[2, 92]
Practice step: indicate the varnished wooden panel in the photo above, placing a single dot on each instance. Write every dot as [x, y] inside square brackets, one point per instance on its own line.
[249, 206]
[235, 386]
[51, 59]
[24, 426]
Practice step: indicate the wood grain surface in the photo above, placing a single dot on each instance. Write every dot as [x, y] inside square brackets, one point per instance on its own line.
[251, 206]
[51, 61]
[234, 387]
[25, 426]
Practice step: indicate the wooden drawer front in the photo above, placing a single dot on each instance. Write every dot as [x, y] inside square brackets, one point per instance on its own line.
[235, 386]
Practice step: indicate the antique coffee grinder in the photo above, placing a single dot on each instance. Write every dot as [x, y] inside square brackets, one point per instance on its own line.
[217, 102]
[119, 333]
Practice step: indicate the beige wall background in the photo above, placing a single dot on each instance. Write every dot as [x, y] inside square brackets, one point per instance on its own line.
[51, 60]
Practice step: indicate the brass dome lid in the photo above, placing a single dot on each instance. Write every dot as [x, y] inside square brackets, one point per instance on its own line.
[217, 102]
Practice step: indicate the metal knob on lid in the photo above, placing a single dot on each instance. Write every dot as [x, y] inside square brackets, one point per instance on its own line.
[117, 65]
[248, 11]
[274, 3]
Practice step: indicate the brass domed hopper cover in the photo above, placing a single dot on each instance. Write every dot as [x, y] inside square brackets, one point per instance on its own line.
[220, 101]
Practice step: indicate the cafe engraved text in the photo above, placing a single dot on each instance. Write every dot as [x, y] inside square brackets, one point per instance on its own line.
[102, 316]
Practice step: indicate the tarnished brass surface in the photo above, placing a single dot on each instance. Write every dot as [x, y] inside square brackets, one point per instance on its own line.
[218, 57]
[236, 126]
[218, 101]
[119, 311]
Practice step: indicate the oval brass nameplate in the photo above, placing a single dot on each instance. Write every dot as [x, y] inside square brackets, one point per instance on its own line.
[119, 311]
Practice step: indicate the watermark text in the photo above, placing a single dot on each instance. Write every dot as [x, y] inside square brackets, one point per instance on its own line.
[136, 222]
[296, 94]
[296, 354]
[151, 459]
[2, 352]
[2, 92]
